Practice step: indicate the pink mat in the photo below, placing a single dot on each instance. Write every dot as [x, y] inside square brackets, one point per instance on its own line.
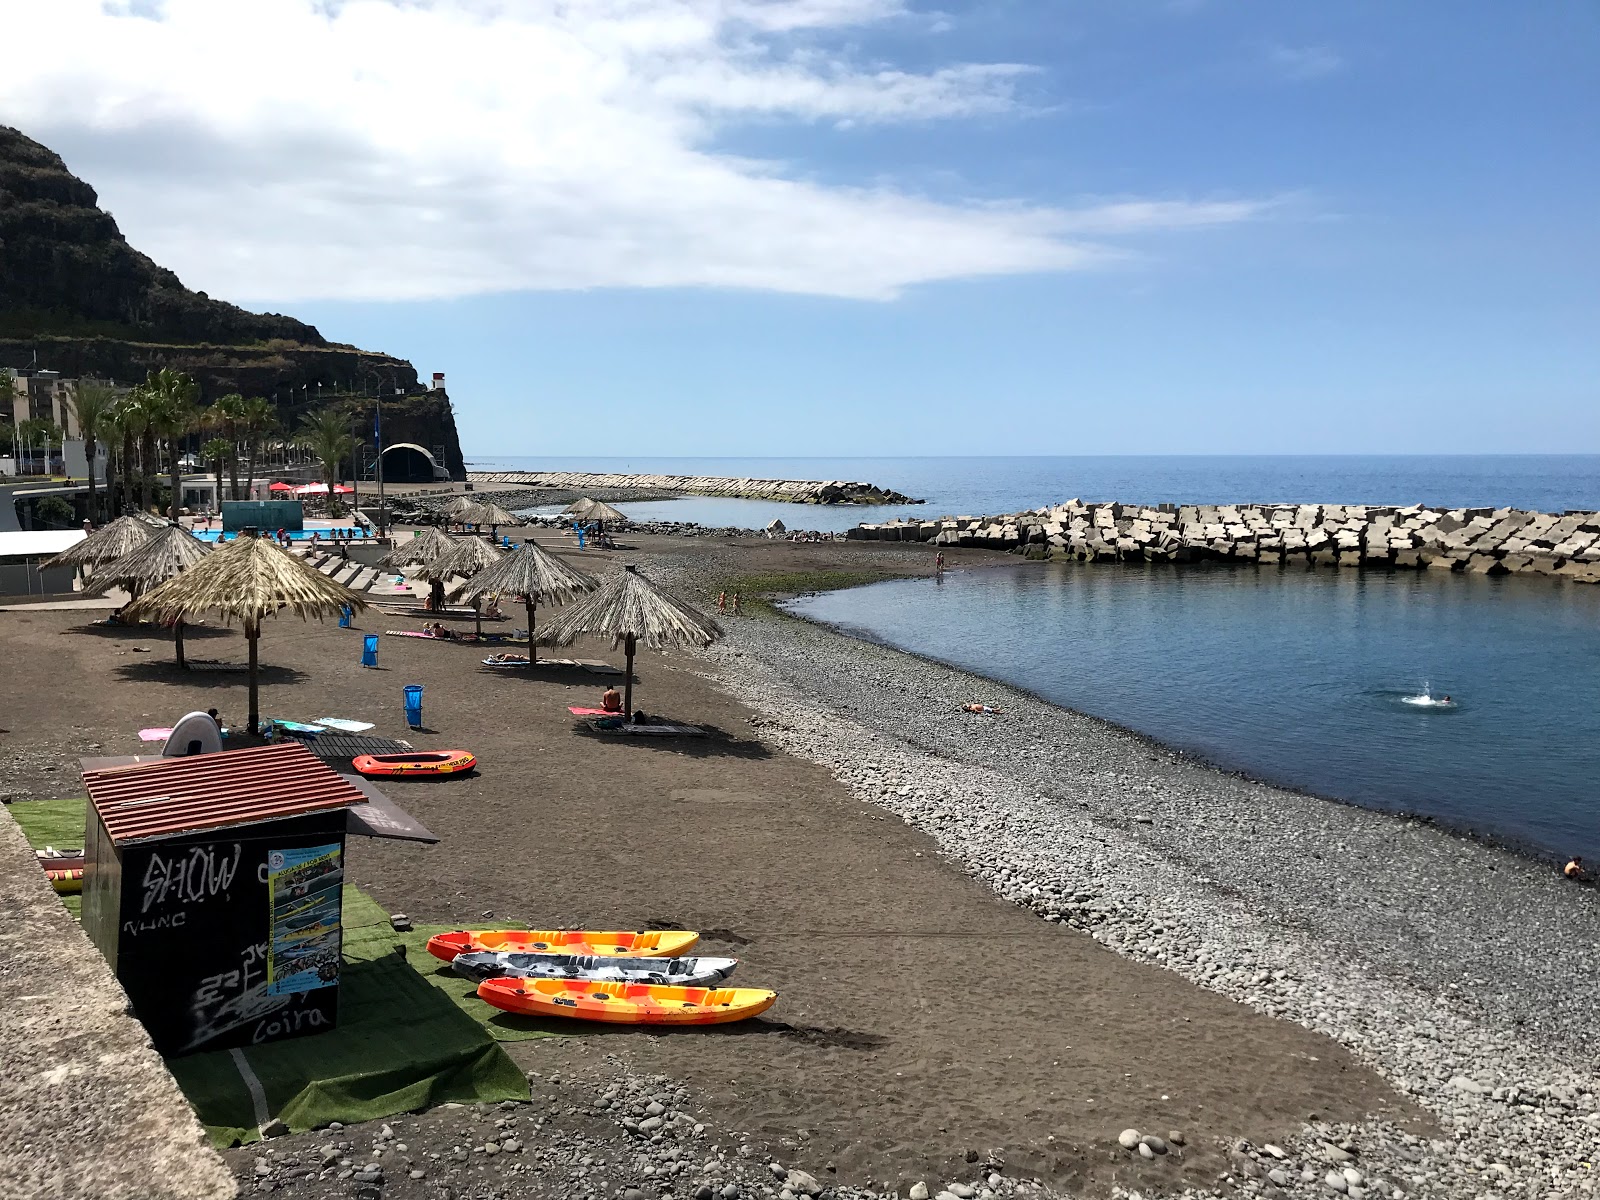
[592, 712]
[154, 735]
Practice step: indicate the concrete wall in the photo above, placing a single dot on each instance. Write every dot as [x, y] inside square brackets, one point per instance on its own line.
[1481, 540]
[88, 1110]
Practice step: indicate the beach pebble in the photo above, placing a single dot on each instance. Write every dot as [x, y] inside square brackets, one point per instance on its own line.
[703, 1192]
[1175, 1136]
[654, 1109]
[1336, 1181]
[802, 1183]
[1158, 1145]
[1277, 1152]
[919, 1191]
[961, 1191]
[994, 1179]
[730, 1191]
[1145, 1151]
[1279, 1176]
[1127, 1139]
[632, 1194]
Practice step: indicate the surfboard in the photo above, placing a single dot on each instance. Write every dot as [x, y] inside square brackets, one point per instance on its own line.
[478, 965]
[648, 943]
[625, 1003]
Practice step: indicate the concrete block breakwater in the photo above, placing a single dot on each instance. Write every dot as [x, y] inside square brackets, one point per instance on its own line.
[788, 491]
[1494, 541]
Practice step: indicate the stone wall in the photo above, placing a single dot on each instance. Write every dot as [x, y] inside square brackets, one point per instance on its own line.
[1481, 540]
[790, 491]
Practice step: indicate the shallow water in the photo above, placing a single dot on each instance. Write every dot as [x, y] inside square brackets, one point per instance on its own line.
[1301, 678]
[987, 486]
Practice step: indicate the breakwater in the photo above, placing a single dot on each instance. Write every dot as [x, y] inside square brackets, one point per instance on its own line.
[1480, 540]
[788, 491]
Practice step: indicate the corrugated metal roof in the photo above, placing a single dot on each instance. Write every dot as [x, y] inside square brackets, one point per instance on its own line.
[215, 791]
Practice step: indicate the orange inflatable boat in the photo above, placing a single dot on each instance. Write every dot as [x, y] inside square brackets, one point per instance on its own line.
[648, 943]
[625, 1003]
[415, 762]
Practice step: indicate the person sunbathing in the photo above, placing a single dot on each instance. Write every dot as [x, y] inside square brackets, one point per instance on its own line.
[980, 708]
[611, 701]
[506, 660]
[437, 630]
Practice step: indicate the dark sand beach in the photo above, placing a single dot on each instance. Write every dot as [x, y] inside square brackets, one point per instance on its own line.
[925, 1021]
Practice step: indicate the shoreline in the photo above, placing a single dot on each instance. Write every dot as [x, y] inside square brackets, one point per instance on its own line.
[1447, 964]
[1504, 844]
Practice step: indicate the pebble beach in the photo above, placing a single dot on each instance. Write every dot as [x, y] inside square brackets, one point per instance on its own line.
[1460, 972]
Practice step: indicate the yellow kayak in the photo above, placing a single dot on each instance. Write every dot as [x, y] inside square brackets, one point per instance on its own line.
[625, 1003]
[647, 943]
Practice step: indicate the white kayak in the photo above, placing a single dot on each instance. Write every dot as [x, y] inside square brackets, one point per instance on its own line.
[478, 965]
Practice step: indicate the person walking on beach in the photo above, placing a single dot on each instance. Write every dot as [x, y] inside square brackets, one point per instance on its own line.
[736, 604]
[722, 602]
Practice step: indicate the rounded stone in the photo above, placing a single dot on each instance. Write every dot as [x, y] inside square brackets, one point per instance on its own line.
[1127, 1139]
[1156, 1144]
[1145, 1151]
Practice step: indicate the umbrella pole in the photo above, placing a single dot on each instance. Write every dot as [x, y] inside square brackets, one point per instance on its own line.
[627, 687]
[477, 617]
[533, 650]
[178, 629]
[252, 631]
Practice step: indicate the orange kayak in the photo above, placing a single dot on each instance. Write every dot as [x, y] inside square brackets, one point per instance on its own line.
[648, 943]
[625, 1003]
[415, 762]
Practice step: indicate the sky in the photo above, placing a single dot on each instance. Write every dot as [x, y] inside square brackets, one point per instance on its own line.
[878, 227]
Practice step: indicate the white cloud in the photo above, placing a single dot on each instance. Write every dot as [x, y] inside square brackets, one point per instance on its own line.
[283, 150]
[1304, 62]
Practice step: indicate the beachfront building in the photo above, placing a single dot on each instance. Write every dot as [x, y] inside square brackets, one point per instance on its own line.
[44, 396]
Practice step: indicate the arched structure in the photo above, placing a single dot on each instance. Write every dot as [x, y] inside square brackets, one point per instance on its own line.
[407, 462]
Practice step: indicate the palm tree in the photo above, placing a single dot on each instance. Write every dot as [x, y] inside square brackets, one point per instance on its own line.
[130, 418]
[224, 418]
[327, 436]
[257, 419]
[92, 407]
[219, 453]
[173, 415]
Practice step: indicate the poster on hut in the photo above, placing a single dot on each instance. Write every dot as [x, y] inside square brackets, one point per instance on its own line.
[304, 886]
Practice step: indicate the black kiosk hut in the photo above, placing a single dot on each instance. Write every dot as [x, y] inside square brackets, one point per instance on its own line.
[213, 886]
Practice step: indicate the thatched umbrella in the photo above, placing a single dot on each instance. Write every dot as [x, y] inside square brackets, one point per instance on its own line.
[491, 514]
[579, 507]
[424, 549]
[248, 578]
[599, 510]
[468, 557]
[172, 551]
[106, 544]
[631, 610]
[532, 572]
[457, 508]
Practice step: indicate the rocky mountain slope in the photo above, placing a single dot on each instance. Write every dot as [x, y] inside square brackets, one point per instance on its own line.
[76, 298]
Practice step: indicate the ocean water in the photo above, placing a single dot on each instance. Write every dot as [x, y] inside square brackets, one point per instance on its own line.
[1300, 678]
[984, 486]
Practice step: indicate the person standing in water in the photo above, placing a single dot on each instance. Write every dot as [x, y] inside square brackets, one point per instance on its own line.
[938, 563]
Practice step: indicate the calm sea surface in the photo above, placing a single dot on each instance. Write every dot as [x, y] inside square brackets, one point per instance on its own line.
[1296, 677]
[984, 486]
[1300, 678]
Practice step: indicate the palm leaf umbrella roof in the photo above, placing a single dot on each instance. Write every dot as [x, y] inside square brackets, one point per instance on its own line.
[595, 510]
[424, 549]
[466, 558]
[529, 570]
[627, 605]
[490, 513]
[248, 578]
[459, 505]
[106, 544]
[172, 551]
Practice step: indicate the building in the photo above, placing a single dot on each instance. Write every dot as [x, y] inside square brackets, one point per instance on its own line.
[45, 396]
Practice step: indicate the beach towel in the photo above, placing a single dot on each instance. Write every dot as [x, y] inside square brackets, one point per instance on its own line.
[515, 662]
[592, 712]
[154, 735]
[416, 633]
[344, 726]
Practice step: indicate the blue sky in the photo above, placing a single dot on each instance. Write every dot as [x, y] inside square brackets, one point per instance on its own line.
[865, 227]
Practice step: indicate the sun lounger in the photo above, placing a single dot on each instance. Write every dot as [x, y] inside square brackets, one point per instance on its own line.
[205, 664]
[654, 729]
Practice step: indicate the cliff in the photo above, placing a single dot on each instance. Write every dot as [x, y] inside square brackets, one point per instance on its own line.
[76, 298]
